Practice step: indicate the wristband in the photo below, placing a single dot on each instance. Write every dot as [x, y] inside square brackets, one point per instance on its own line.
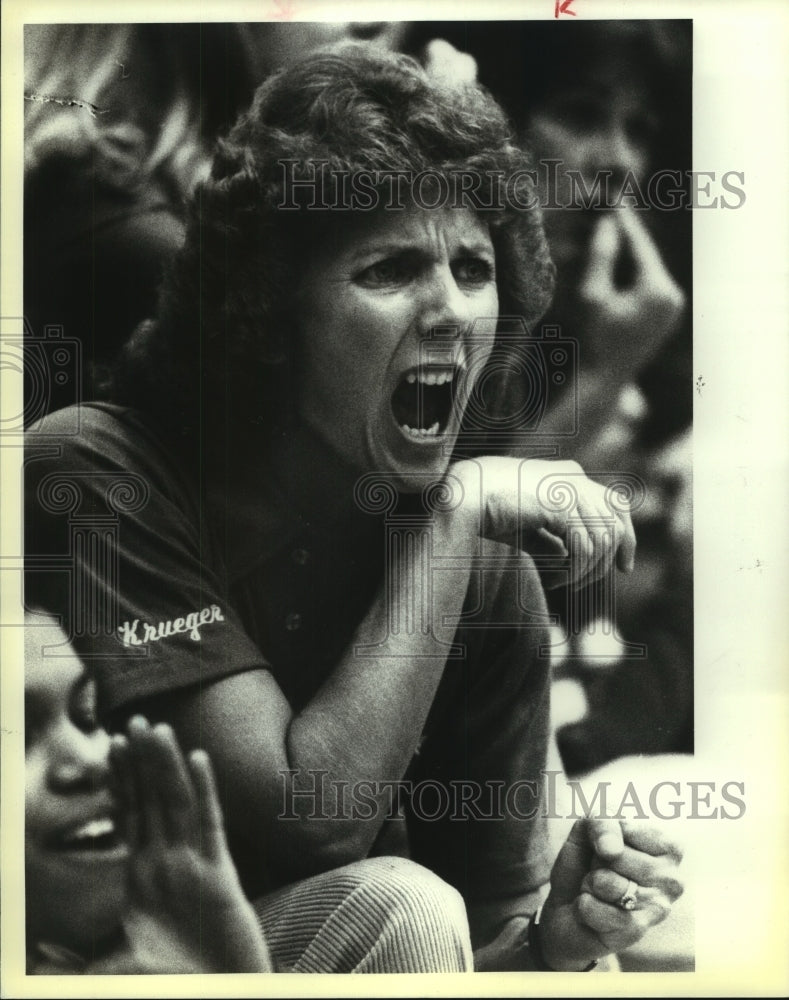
[535, 948]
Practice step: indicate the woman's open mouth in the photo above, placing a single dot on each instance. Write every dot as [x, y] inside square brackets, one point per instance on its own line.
[422, 403]
[96, 839]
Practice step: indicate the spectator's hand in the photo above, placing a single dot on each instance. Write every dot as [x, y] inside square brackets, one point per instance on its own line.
[187, 912]
[623, 328]
[549, 508]
[582, 918]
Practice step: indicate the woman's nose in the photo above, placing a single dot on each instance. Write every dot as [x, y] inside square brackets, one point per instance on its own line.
[78, 758]
[443, 304]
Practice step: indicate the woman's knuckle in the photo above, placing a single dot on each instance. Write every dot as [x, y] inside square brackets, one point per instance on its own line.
[585, 908]
[601, 880]
[660, 908]
[672, 887]
[632, 936]
[645, 918]
[674, 851]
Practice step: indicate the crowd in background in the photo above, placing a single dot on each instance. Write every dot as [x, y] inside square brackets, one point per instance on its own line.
[120, 121]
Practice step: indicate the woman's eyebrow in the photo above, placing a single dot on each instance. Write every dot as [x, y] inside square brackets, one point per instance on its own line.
[403, 247]
[477, 247]
[373, 248]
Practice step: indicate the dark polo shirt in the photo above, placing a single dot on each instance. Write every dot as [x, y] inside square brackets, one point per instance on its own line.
[170, 577]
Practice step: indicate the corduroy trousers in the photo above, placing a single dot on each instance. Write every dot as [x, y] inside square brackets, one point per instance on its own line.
[381, 915]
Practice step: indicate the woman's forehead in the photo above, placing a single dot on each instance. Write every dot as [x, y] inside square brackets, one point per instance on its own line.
[412, 226]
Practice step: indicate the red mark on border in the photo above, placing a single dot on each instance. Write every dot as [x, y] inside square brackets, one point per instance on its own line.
[563, 7]
[286, 10]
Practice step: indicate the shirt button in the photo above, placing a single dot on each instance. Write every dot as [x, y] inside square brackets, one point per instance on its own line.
[300, 556]
[293, 621]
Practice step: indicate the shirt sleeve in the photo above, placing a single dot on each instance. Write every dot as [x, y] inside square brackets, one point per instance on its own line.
[119, 548]
[477, 810]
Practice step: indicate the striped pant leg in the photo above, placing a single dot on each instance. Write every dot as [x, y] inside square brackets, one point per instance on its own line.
[380, 915]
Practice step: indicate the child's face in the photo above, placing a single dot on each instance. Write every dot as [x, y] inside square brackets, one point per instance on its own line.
[75, 861]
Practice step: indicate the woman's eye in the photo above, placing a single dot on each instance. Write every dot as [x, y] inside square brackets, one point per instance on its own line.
[473, 271]
[384, 272]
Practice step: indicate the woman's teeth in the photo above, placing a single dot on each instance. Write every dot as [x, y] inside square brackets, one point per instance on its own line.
[422, 402]
[421, 432]
[430, 378]
[90, 832]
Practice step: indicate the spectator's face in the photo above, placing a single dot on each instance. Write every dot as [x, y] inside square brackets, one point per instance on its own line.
[370, 383]
[75, 860]
[602, 125]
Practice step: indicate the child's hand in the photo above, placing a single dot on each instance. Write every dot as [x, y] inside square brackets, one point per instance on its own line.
[187, 912]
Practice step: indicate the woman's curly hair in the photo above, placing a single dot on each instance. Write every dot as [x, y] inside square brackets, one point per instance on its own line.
[223, 332]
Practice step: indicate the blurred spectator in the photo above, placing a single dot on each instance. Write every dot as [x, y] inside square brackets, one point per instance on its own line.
[604, 105]
[604, 117]
[109, 162]
[119, 122]
[643, 705]
[112, 142]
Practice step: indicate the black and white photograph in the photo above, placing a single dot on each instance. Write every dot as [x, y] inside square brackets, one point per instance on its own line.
[391, 582]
